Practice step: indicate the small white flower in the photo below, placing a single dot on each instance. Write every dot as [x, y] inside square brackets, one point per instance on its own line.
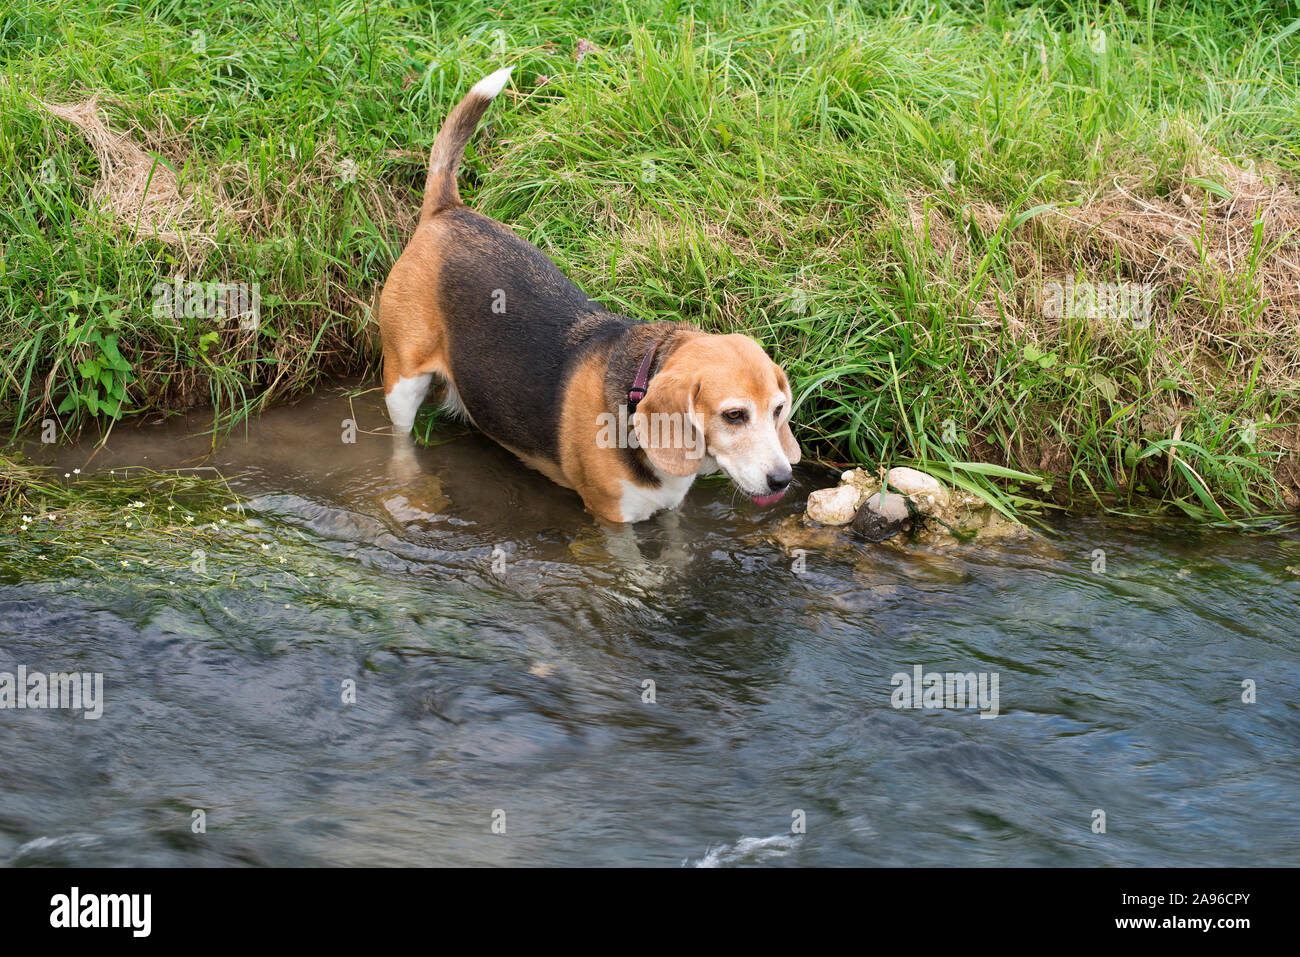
[137, 504]
[189, 518]
[67, 475]
[76, 471]
[282, 561]
[125, 564]
[266, 547]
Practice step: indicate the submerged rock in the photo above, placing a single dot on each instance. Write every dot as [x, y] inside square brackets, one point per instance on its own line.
[882, 517]
[795, 532]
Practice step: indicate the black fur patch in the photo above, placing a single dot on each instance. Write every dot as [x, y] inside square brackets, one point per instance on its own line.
[517, 328]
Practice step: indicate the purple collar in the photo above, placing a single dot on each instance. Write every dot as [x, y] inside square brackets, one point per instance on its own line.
[642, 380]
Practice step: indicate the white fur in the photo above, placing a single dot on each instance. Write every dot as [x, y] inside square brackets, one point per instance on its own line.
[404, 401]
[453, 405]
[638, 503]
[751, 454]
[490, 86]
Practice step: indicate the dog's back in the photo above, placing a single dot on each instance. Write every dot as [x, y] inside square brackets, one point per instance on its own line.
[516, 326]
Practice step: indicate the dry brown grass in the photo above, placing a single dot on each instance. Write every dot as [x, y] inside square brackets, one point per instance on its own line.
[138, 187]
[1193, 245]
[1237, 291]
[1225, 262]
[140, 191]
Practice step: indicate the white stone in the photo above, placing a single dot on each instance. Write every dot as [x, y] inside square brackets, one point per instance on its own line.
[863, 482]
[833, 506]
[889, 506]
[924, 490]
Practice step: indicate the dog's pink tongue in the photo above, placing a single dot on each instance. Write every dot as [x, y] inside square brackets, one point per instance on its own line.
[768, 499]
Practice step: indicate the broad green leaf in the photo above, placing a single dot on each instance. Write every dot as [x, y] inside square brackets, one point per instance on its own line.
[1105, 386]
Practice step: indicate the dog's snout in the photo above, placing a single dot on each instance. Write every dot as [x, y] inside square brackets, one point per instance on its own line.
[778, 481]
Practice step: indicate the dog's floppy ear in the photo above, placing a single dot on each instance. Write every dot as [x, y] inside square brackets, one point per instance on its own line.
[665, 425]
[788, 445]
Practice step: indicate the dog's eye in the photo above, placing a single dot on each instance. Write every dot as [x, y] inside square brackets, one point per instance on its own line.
[776, 414]
[736, 416]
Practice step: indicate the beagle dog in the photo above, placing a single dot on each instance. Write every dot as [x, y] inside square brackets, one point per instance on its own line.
[624, 412]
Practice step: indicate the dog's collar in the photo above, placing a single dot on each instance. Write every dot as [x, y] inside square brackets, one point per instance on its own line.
[642, 380]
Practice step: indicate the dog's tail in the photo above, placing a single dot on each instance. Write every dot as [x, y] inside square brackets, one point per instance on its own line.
[448, 149]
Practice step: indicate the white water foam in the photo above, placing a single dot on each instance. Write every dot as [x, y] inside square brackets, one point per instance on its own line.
[42, 845]
[748, 850]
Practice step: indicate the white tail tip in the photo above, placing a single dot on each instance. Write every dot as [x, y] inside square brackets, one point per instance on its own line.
[490, 86]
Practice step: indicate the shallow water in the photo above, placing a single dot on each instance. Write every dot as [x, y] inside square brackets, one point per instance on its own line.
[521, 689]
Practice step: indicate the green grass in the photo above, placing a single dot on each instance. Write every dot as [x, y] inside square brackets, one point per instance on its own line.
[872, 190]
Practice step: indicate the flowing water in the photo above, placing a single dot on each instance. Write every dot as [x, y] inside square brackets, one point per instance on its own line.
[500, 641]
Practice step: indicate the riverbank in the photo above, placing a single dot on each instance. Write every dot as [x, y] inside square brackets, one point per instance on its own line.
[1045, 257]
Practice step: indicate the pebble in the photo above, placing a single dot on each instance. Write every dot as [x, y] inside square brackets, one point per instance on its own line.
[924, 490]
[833, 506]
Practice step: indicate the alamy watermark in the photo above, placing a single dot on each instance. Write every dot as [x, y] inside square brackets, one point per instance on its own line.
[75, 691]
[209, 300]
[662, 430]
[76, 909]
[949, 689]
[1130, 302]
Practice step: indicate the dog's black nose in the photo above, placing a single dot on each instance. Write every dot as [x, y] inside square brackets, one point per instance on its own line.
[777, 481]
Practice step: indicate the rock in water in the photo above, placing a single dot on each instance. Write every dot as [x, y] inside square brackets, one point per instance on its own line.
[832, 506]
[882, 517]
[926, 493]
[862, 481]
[919, 503]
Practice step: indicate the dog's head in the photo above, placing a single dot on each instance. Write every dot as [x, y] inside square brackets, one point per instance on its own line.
[721, 398]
